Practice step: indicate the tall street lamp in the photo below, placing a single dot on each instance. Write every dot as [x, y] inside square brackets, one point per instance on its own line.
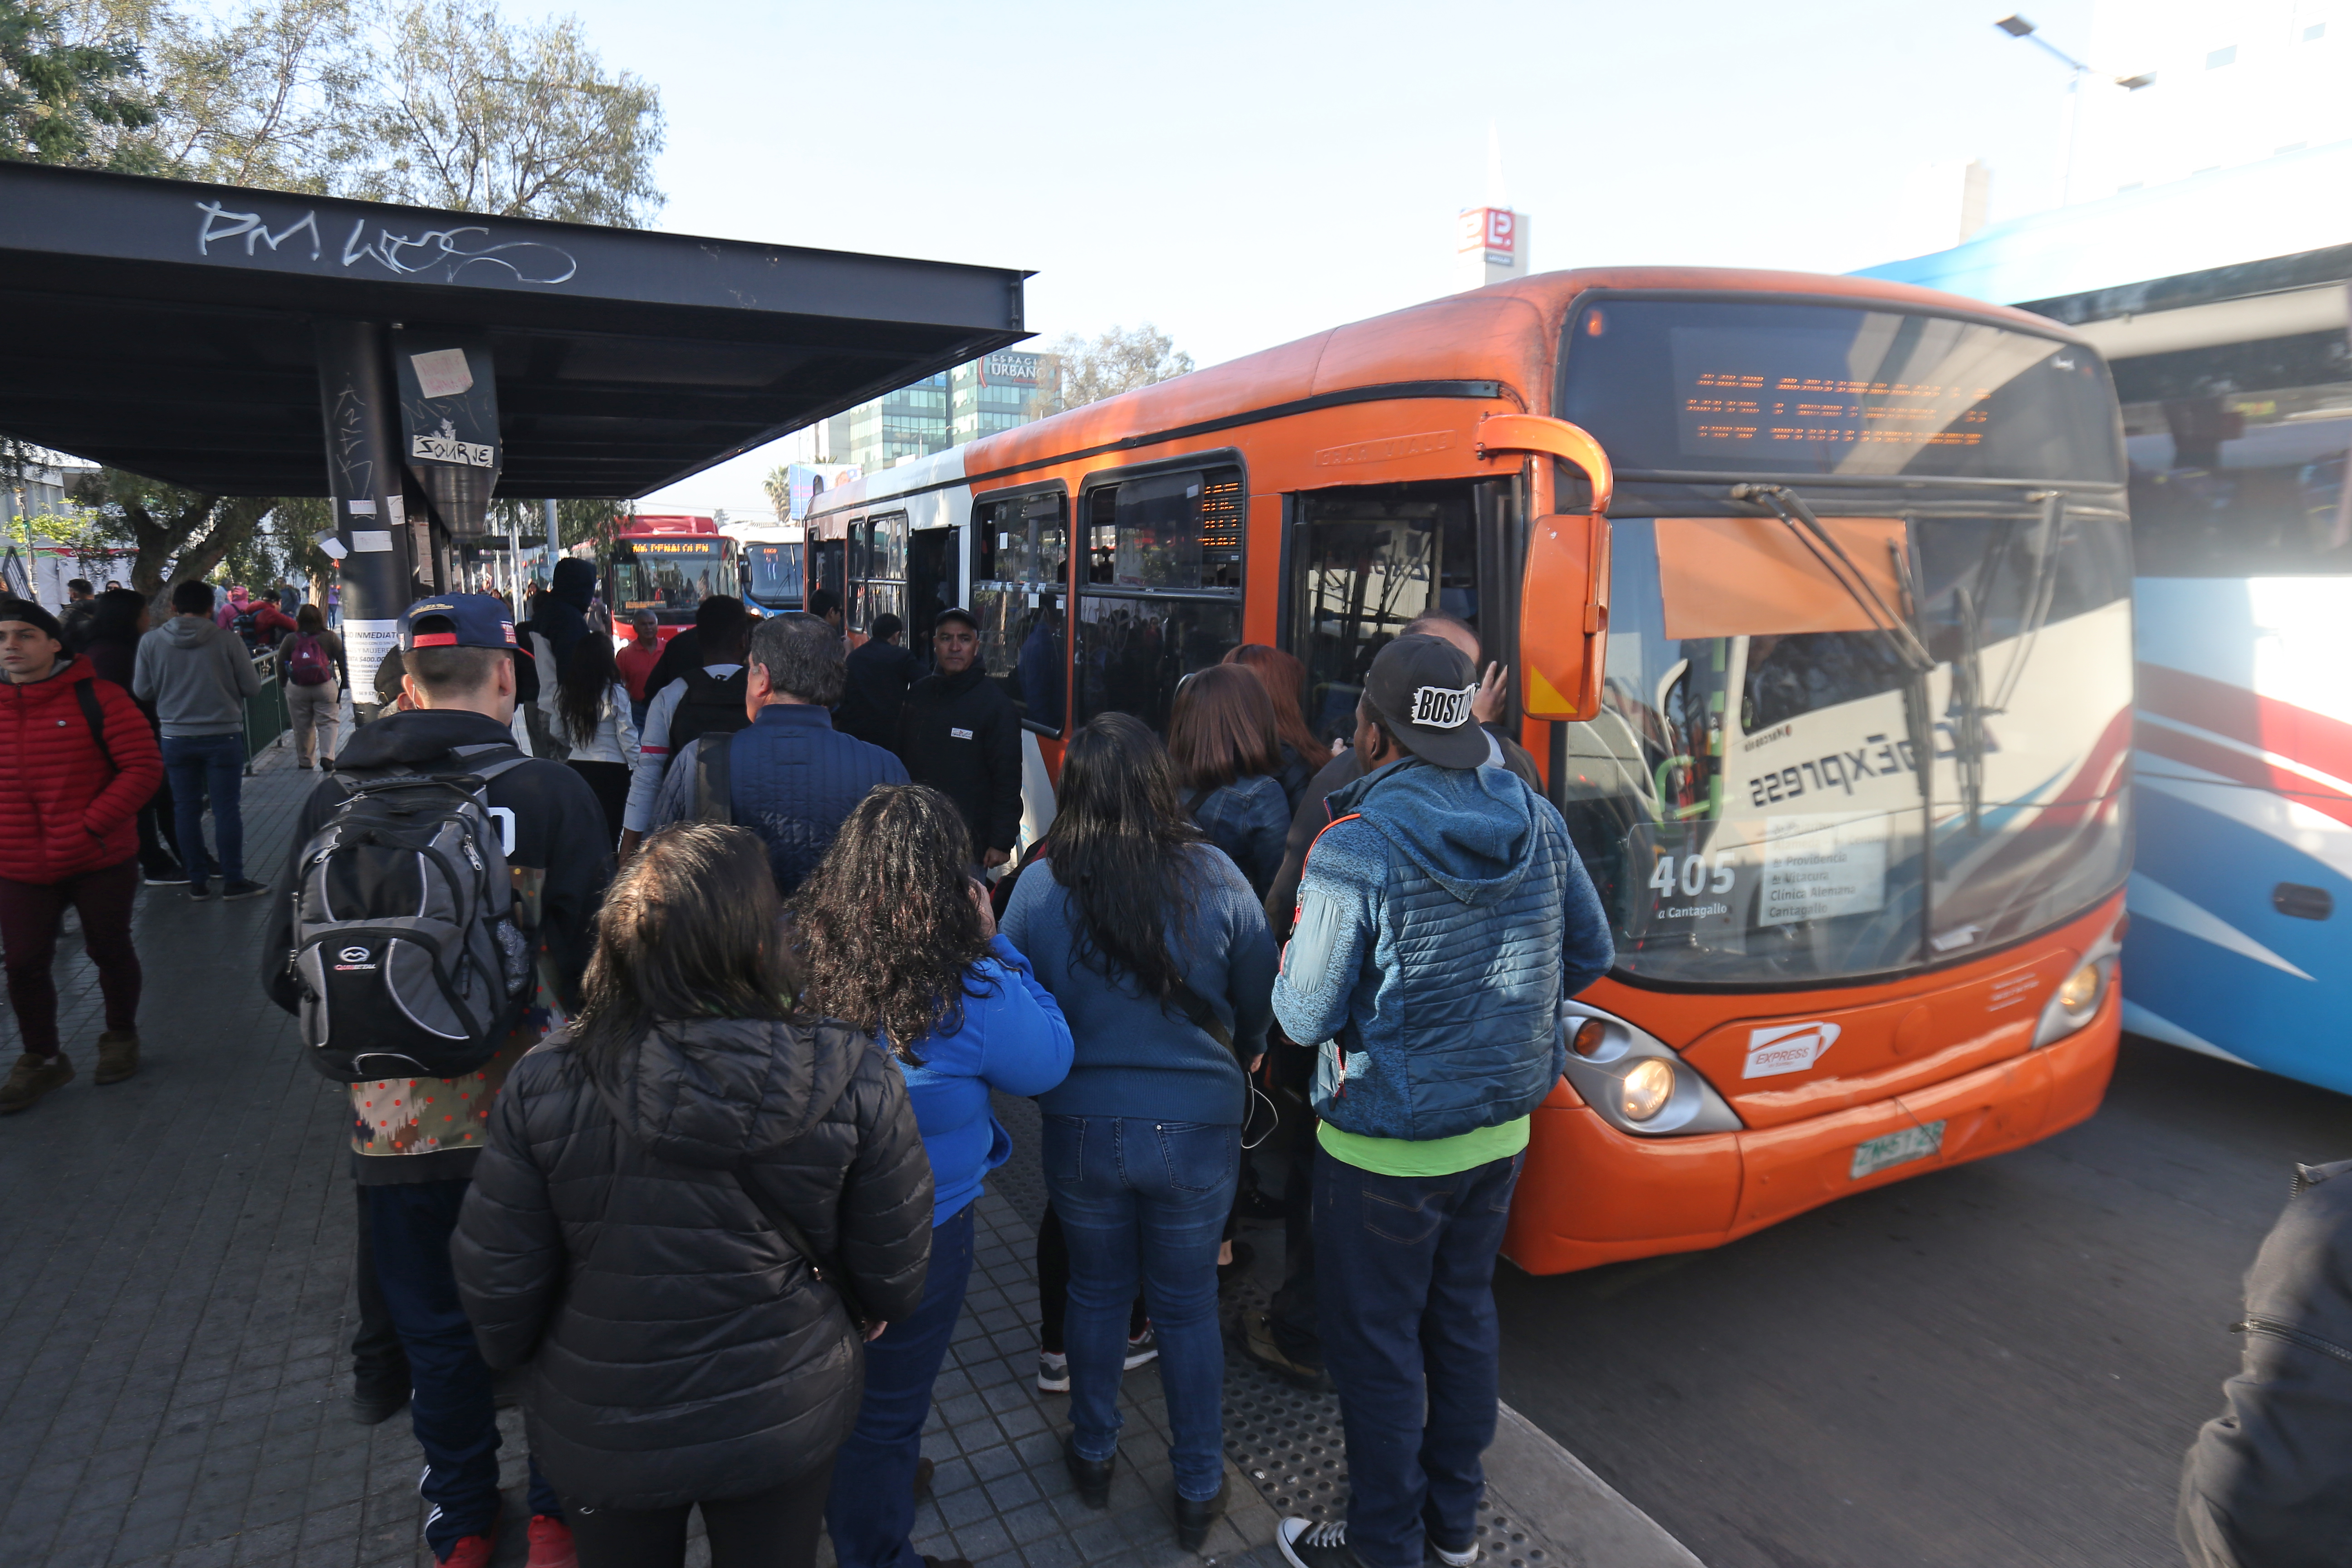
[2018, 27]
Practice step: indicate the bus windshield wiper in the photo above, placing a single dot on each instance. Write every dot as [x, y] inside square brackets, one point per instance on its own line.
[1894, 629]
[2039, 597]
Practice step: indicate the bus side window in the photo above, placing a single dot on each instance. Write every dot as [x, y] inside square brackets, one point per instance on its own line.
[1021, 555]
[1163, 590]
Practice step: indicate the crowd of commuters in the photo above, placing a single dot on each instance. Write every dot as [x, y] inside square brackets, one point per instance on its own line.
[699, 1154]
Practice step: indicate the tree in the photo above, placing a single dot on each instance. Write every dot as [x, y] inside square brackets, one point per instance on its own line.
[66, 98]
[180, 534]
[272, 98]
[1119, 361]
[516, 121]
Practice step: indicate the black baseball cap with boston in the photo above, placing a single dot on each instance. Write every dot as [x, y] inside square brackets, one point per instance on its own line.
[1420, 689]
[475, 620]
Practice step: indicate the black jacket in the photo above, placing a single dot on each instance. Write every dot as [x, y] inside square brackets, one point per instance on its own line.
[563, 620]
[874, 693]
[961, 735]
[2269, 1484]
[680, 654]
[679, 1348]
[559, 830]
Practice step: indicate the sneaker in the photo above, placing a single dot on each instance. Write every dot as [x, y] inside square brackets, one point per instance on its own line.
[373, 1404]
[1141, 1348]
[551, 1543]
[1053, 1373]
[198, 888]
[1461, 1559]
[471, 1551]
[244, 888]
[172, 875]
[1308, 1544]
[34, 1077]
[118, 1056]
[1259, 1345]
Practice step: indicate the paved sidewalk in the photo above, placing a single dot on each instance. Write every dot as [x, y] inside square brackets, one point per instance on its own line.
[175, 1273]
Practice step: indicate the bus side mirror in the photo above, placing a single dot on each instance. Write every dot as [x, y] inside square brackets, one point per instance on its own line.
[1564, 595]
[1564, 616]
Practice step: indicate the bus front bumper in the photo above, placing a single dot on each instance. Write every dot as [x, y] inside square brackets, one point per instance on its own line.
[1591, 1194]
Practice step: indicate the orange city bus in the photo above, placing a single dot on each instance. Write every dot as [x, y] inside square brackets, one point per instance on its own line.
[1816, 595]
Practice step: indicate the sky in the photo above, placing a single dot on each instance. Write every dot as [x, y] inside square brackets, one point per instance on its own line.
[1243, 175]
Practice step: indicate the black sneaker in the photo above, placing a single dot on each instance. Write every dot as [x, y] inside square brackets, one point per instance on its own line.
[375, 1405]
[1308, 1544]
[172, 875]
[199, 888]
[244, 888]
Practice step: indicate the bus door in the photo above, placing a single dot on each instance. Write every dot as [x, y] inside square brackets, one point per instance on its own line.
[827, 564]
[1160, 595]
[1367, 561]
[930, 584]
[1020, 563]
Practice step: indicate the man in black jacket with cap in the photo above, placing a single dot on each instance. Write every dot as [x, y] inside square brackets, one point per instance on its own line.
[414, 1141]
[961, 735]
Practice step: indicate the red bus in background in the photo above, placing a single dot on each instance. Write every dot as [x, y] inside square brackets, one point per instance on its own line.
[668, 564]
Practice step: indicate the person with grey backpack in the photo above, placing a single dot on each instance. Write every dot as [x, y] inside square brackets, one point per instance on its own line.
[441, 900]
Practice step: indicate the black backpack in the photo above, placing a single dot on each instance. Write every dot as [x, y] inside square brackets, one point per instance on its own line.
[407, 951]
[709, 706]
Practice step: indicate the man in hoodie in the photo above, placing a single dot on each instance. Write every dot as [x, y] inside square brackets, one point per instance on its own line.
[961, 735]
[197, 676]
[414, 1141]
[1443, 916]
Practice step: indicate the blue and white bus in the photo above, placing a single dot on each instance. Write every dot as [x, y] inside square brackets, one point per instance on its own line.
[2225, 318]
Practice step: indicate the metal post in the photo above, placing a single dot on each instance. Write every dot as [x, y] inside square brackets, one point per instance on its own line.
[554, 540]
[360, 402]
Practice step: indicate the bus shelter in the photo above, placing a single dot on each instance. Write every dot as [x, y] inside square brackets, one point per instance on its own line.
[413, 365]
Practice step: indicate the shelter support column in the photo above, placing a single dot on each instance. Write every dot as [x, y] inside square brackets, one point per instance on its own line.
[360, 401]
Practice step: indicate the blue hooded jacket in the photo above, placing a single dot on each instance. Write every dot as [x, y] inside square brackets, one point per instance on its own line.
[1442, 917]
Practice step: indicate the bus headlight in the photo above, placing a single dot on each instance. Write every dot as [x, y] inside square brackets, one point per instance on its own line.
[1635, 1080]
[2075, 1002]
[1645, 1090]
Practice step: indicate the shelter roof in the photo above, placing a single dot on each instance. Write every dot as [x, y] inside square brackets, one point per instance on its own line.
[164, 326]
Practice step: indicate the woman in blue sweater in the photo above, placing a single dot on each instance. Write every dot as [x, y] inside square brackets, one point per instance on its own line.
[1158, 954]
[896, 938]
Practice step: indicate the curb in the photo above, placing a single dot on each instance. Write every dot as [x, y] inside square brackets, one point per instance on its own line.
[1579, 1519]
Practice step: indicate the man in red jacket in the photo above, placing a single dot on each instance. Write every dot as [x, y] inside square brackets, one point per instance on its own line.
[77, 761]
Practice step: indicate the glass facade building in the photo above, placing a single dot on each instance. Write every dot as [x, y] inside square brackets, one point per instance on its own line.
[968, 402]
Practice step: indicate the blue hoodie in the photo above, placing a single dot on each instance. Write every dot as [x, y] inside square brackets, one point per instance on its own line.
[1012, 1039]
[1442, 917]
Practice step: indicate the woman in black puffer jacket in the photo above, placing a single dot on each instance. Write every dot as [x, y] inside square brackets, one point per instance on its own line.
[681, 1351]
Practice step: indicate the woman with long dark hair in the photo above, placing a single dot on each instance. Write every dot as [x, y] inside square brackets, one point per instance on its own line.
[1158, 954]
[662, 1178]
[894, 938]
[1284, 679]
[591, 717]
[1228, 755]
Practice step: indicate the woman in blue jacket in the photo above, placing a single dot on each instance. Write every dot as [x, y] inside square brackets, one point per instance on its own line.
[896, 938]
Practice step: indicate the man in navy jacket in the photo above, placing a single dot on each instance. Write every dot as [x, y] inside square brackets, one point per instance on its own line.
[791, 777]
[1442, 917]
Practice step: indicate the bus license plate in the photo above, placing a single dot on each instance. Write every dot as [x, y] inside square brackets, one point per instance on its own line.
[1896, 1149]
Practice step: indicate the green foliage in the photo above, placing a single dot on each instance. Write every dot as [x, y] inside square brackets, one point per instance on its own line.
[69, 100]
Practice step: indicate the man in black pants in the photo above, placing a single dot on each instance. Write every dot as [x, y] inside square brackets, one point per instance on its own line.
[961, 735]
[416, 1139]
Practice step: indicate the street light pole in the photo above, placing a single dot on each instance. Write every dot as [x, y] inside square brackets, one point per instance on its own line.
[2018, 27]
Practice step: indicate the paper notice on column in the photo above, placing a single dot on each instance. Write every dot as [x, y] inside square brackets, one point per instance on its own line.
[365, 643]
[364, 540]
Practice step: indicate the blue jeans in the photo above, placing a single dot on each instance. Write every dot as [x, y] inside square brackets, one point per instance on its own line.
[199, 765]
[1405, 1295]
[872, 1504]
[450, 1406]
[1139, 1197]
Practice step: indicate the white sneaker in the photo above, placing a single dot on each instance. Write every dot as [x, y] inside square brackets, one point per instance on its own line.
[1461, 1559]
[1307, 1544]
[1141, 1348]
[1053, 1373]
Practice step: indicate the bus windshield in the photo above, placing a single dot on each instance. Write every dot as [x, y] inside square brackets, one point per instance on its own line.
[668, 575]
[1758, 388]
[774, 572]
[1774, 794]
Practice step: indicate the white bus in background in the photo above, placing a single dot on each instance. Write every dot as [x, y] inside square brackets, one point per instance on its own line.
[769, 561]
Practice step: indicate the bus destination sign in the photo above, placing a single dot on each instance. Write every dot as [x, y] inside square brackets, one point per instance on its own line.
[1737, 392]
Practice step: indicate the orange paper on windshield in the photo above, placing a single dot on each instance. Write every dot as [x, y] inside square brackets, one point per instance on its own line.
[1752, 576]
